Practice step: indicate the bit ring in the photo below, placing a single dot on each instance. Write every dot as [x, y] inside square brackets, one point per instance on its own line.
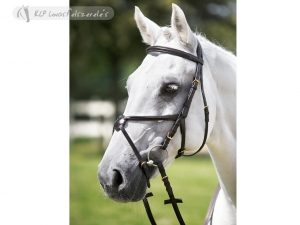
[150, 162]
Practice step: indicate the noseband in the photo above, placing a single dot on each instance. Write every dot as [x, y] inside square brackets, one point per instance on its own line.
[179, 122]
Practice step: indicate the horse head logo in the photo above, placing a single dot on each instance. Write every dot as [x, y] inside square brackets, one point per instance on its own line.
[23, 12]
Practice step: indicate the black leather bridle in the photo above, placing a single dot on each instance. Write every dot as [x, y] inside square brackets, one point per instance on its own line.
[179, 122]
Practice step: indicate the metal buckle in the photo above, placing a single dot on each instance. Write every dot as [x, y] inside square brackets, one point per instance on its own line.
[195, 80]
[150, 161]
[169, 136]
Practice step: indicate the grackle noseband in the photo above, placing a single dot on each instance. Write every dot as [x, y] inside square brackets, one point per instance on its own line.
[179, 122]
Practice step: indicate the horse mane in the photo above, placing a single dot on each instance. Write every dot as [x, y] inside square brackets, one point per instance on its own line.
[213, 49]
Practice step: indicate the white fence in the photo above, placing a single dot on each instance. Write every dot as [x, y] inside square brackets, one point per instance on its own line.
[96, 121]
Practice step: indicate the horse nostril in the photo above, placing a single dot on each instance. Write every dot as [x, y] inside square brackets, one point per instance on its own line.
[118, 179]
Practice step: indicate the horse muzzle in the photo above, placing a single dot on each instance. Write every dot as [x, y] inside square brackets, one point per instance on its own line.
[122, 184]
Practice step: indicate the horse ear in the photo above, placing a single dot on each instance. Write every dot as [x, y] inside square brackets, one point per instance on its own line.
[148, 29]
[182, 28]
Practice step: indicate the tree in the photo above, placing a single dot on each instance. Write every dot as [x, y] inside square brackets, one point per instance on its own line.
[103, 53]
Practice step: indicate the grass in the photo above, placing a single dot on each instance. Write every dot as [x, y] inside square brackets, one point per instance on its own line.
[193, 179]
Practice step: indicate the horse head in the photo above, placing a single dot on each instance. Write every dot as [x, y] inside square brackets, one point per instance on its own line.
[159, 86]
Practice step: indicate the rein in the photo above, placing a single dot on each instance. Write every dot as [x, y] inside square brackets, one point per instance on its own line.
[179, 119]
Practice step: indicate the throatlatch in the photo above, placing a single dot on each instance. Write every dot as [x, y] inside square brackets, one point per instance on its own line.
[179, 122]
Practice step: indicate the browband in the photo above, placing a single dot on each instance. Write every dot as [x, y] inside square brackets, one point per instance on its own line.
[176, 52]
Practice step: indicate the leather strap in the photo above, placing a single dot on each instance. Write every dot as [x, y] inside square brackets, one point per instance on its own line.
[148, 209]
[184, 111]
[172, 199]
[136, 152]
[144, 118]
[176, 52]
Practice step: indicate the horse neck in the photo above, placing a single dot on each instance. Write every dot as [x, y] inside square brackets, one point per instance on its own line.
[222, 139]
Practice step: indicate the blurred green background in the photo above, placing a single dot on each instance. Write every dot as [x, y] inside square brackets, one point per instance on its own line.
[193, 179]
[102, 55]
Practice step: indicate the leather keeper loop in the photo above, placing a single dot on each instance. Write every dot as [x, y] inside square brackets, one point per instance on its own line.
[206, 115]
[185, 113]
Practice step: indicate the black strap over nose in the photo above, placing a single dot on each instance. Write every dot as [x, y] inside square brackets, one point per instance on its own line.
[119, 125]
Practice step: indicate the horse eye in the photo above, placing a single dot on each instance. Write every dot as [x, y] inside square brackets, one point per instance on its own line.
[170, 88]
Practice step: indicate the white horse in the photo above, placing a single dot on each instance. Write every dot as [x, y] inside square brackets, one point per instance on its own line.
[148, 90]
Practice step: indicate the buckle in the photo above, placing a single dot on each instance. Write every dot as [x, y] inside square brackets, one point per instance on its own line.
[195, 80]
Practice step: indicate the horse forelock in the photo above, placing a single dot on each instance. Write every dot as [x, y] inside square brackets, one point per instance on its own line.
[168, 33]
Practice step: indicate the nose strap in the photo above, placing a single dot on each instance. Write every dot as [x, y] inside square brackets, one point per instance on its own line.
[119, 125]
[143, 164]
